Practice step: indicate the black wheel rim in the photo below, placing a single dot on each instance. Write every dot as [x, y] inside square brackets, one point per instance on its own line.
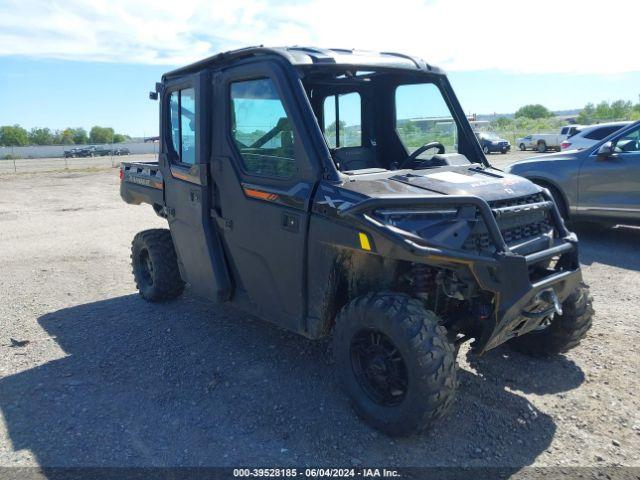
[145, 267]
[379, 368]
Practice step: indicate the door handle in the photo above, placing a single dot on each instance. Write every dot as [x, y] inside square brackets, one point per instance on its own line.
[290, 222]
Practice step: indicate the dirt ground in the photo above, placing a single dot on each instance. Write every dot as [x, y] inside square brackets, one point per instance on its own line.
[91, 375]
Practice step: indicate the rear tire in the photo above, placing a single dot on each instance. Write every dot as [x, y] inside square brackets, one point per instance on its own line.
[394, 362]
[542, 147]
[564, 332]
[155, 265]
[486, 150]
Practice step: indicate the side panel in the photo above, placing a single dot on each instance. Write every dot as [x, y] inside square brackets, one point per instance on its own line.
[339, 271]
[188, 199]
[609, 188]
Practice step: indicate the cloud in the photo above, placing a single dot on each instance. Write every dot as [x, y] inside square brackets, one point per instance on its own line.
[524, 36]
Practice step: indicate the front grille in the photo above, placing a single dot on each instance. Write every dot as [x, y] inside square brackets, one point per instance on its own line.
[513, 202]
[516, 229]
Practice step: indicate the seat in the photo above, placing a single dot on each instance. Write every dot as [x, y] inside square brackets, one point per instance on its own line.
[355, 158]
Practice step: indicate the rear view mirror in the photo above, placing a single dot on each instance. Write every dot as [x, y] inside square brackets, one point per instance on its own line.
[606, 149]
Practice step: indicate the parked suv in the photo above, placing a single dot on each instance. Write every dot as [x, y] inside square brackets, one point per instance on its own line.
[600, 183]
[588, 136]
[490, 142]
[337, 192]
[86, 151]
[72, 152]
[120, 151]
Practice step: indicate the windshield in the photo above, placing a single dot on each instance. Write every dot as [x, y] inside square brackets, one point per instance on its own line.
[422, 116]
[491, 136]
[390, 120]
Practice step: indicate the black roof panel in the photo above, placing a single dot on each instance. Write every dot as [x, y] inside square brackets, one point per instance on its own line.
[300, 56]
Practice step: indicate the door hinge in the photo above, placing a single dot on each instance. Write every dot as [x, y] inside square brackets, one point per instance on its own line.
[223, 223]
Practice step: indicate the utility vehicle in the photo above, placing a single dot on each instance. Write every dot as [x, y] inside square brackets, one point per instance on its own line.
[344, 192]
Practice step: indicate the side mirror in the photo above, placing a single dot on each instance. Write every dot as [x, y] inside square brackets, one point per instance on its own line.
[606, 150]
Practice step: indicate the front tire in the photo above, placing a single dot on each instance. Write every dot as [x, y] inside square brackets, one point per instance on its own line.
[558, 200]
[395, 362]
[486, 150]
[155, 265]
[522, 147]
[564, 332]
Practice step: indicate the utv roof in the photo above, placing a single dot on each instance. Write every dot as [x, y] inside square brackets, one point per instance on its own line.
[303, 56]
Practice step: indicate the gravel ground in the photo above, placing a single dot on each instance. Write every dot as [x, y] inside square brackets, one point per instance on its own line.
[91, 375]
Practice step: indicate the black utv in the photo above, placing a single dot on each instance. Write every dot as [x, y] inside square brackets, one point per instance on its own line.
[344, 193]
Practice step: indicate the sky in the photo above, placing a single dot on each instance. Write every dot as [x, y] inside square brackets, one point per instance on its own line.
[93, 62]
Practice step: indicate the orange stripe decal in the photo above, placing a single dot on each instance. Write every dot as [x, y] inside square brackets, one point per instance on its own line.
[180, 175]
[260, 195]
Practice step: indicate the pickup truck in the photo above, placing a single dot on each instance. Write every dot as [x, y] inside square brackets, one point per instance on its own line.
[551, 141]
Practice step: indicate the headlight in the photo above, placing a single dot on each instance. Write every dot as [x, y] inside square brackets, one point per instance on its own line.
[444, 226]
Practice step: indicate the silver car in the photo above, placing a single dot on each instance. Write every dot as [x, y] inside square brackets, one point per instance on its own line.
[600, 183]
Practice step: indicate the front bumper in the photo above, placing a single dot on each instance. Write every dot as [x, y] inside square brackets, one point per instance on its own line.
[519, 306]
[499, 148]
[517, 288]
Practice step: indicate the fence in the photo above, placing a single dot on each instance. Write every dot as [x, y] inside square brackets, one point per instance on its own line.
[53, 151]
[33, 165]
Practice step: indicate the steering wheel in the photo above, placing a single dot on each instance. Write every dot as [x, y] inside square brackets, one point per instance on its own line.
[420, 151]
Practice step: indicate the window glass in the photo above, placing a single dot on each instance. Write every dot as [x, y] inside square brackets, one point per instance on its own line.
[342, 127]
[422, 116]
[601, 133]
[572, 131]
[174, 108]
[188, 126]
[182, 107]
[629, 142]
[261, 129]
[329, 121]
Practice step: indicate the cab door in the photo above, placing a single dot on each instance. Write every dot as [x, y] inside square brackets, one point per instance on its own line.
[183, 158]
[609, 185]
[264, 178]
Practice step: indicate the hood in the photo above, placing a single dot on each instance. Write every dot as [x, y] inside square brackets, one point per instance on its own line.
[525, 164]
[487, 183]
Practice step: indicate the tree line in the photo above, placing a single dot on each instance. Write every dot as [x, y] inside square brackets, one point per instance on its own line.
[15, 135]
[602, 112]
[536, 118]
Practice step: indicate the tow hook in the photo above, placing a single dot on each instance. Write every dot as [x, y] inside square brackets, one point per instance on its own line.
[549, 296]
